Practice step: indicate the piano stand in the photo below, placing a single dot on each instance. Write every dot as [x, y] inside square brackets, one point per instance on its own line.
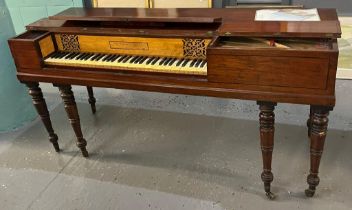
[72, 113]
[319, 124]
[91, 99]
[41, 107]
[267, 121]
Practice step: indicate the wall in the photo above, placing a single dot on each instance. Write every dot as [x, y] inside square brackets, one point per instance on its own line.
[24, 12]
[344, 7]
[16, 106]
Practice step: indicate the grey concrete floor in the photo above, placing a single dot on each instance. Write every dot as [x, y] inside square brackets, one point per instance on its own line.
[166, 159]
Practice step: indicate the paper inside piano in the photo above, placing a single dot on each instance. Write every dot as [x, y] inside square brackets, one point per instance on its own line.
[209, 52]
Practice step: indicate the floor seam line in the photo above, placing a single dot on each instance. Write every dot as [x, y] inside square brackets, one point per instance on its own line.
[50, 182]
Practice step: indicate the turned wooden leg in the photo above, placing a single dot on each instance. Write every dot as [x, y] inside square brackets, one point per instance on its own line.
[72, 113]
[41, 107]
[267, 121]
[309, 122]
[319, 123]
[91, 99]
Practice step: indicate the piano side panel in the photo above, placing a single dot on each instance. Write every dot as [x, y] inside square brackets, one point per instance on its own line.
[29, 48]
[26, 54]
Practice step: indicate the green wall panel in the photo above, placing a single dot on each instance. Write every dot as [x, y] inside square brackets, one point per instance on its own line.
[16, 107]
[24, 12]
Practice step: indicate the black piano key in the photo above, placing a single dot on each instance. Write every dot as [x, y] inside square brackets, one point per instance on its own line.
[70, 55]
[59, 55]
[193, 62]
[88, 56]
[83, 57]
[114, 58]
[203, 63]
[126, 58]
[185, 63]
[99, 57]
[111, 57]
[167, 61]
[94, 57]
[139, 59]
[64, 54]
[162, 61]
[79, 56]
[142, 60]
[122, 58]
[172, 61]
[198, 63]
[133, 59]
[53, 55]
[179, 62]
[150, 60]
[155, 60]
[107, 58]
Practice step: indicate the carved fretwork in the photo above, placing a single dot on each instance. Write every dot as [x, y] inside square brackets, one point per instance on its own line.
[91, 99]
[267, 121]
[41, 107]
[319, 125]
[194, 48]
[72, 113]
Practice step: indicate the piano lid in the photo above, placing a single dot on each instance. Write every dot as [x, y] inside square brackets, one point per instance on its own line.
[234, 21]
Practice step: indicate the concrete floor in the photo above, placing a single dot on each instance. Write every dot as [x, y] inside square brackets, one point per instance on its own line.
[149, 159]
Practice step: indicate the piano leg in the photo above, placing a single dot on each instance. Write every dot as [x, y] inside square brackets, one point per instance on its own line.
[309, 122]
[91, 99]
[267, 121]
[72, 113]
[319, 123]
[41, 107]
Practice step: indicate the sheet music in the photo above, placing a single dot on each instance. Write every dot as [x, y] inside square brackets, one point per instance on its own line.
[287, 15]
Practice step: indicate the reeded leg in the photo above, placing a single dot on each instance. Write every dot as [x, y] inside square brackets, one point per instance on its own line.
[91, 99]
[267, 121]
[309, 122]
[41, 107]
[72, 113]
[319, 123]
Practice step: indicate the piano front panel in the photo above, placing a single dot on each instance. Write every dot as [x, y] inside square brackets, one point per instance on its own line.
[283, 62]
[142, 46]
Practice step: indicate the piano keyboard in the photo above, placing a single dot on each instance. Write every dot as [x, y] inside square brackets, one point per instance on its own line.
[129, 62]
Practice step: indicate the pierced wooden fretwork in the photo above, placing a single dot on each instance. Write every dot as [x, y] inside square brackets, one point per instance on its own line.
[70, 42]
[194, 48]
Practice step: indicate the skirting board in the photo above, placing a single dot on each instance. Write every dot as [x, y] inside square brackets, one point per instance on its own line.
[344, 73]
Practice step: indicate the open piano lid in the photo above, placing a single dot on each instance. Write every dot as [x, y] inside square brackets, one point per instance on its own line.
[231, 22]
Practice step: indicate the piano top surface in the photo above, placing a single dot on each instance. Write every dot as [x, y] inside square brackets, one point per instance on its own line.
[232, 21]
